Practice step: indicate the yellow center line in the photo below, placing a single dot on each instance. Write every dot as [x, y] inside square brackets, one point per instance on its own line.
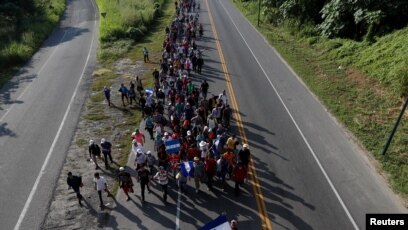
[263, 214]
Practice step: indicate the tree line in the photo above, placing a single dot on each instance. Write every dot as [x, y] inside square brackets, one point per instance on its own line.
[356, 19]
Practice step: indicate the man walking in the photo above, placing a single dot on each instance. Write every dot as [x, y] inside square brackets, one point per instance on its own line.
[143, 178]
[162, 177]
[124, 93]
[125, 182]
[210, 169]
[204, 89]
[106, 150]
[100, 186]
[145, 54]
[94, 152]
[238, 176]
[75, 182]
[198, 173]
[107, 93]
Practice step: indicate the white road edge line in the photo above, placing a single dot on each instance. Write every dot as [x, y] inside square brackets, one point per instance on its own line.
[37, 181]
[295, 123]
[178, 210]
[38, 73]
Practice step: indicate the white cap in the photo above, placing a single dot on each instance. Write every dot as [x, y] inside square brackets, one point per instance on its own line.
[188, 133]
[121, 169]
[103, 140]
[91, 142]
[203, 143]
[166, 133]
[245, 146]
[148, 152]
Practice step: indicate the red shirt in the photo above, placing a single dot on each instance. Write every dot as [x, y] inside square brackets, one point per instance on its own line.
[210, 165]
[192, 152]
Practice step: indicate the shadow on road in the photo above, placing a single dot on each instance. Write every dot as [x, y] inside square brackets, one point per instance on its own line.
[4, 131]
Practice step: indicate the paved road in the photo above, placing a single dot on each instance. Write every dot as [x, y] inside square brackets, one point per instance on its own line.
[303, 157]
[39, 111]
[312, 175]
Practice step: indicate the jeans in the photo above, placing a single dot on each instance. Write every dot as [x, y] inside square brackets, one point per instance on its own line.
[106, 155]
[164, 187]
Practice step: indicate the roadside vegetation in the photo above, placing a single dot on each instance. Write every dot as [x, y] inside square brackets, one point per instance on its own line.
[124, 22]
[119, 46]
[358, 69]
[24, 25]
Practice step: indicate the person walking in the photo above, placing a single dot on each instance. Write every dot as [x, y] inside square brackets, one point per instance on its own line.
[139, 86]
[75, 182]
[140, 159]
[150, 161]
[124, 93]
[107, 93]
[149, 126]
[162, 177]
[222, 168]
[139, 137]
[143, 177]
[101, 186]
[94, 152]
[230, 157]
[198, 173]
[204, 89]
[107, 151]
[244, 155]
[145, 54]
[200, 63]
[238, 175]
[125, 182]
[210, 166]
[132, 92]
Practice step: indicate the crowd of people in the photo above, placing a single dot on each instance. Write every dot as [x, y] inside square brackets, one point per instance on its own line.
[189, 128]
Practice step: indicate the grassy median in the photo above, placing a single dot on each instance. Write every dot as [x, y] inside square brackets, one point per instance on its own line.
[152, 19]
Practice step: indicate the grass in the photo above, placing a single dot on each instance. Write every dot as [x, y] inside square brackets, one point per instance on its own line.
[360, 83]
[19, 43]
[106, 76]
[125, 22]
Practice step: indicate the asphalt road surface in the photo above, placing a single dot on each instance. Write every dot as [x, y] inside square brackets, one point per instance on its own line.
[39, 110]
[312, 175]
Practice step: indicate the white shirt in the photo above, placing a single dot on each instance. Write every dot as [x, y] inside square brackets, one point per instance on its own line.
[100, 183]
[137, 147]
[140, 158]
[162, 177]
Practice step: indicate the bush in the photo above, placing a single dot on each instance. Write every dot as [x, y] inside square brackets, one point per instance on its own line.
[127, 18]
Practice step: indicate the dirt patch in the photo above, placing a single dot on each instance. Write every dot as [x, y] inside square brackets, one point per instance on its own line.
[65, 212]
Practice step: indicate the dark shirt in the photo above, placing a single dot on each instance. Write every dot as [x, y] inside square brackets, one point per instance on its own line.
[125, 178]
[74, 182]
[94, 149]
[143, 175]
[106, 147]
[244, 156]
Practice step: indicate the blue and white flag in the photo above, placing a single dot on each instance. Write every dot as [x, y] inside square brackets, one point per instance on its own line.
[221, 223]
[172, 146]
[187, 168]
